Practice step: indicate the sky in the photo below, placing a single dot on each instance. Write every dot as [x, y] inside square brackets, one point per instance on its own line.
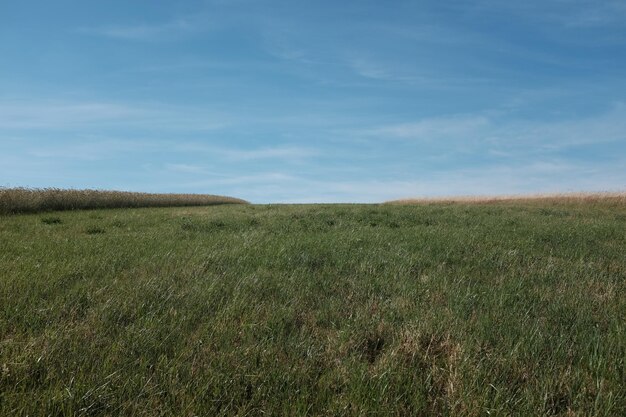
[280, 101]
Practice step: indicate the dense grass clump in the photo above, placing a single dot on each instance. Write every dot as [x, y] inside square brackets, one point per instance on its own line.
[439, 309]
[33, 200]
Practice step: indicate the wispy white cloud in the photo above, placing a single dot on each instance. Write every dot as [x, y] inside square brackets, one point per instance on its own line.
[494, 128]
[606, 127]
[398, 68]
[69, 114]
[34, 114]
[590, 13]
[263, 179]
[541, 176]
[288, 152]
[242, 155]
[187, 169]
[147, 32]
[100, 148]
[377, 71]
[90, 149]
[434, 129]
[574, 13]
[284, 50]
[221, 155]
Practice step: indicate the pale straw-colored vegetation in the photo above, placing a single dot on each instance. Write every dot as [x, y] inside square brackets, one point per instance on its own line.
[581, 197]
[32, 200]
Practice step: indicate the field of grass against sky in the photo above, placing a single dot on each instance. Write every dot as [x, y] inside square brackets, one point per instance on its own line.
[509, 308]
[312, 299]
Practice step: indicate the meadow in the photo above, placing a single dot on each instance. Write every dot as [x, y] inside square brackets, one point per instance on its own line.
[460, 309]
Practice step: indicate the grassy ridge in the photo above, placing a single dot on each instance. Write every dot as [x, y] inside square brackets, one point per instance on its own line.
[463, 309]
[29, 200]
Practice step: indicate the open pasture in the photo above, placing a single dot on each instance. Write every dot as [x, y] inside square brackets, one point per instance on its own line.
[506, 308]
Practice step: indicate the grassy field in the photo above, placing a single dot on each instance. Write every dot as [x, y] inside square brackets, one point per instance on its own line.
[36, 200]
[509, 308]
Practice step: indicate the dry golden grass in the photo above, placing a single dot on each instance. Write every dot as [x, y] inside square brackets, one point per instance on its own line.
[616, 197]
[32, 200]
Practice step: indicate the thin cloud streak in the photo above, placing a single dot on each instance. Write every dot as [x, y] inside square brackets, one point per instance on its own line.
[497, 179]
[490, 127]
[566, 13]
[44, 114]
[101, 148]
[289, 153]
[62, 115]
[435, 128]
[147, 32]
[230, 154]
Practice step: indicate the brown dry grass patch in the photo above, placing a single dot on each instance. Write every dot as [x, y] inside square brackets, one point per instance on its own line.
[580, 197]
[33, 200]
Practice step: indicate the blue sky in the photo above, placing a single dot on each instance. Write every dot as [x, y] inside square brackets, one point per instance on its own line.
[314, 101]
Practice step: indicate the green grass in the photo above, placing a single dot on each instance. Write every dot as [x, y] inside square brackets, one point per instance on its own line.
[512, 308]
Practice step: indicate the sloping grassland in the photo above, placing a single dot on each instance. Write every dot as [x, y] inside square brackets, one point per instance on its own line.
[439, 309]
